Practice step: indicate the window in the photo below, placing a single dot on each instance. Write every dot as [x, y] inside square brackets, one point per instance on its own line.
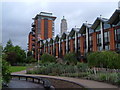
[106, 25]
[99, 41]
[90, 40]
[78, 44]
[117, 34]
[91, 31]
[106, 37]
[98, 38]
[97, 29]
[90, 43]
[107, 47]
[118, 45]
[117, 38]
[118, 23]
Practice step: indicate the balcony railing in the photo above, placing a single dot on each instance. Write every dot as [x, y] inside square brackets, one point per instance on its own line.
[33, 39]
[33, 29]
[33, 24]
[33, 49]
[33, 34]
[33, 44]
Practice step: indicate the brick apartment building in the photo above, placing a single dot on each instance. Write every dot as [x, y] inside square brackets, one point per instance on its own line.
[103, 34]
[42, 28]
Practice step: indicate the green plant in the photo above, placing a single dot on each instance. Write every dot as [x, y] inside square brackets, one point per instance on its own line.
[47, 58]
[5, 71]
[82, 67]
[106, 59]
[70, 58]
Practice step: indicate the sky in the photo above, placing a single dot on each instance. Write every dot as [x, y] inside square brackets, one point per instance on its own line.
[17, 15]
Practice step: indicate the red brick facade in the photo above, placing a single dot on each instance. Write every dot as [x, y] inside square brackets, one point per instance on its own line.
[112, 39]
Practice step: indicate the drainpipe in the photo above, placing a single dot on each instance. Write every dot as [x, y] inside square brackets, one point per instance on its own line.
[53, 48]
[59, 46]
[75, 41]
[86, 39]
[66, 43]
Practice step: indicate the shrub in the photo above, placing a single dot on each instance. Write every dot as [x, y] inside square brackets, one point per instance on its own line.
[47, 58]
[82, 67]
[70, 58]
[5, 71]
[30, 59]
[106, 59]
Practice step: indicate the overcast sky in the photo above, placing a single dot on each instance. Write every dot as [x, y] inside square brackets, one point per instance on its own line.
[17, 16]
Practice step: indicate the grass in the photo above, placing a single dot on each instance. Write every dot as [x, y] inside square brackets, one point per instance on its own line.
[17, 68]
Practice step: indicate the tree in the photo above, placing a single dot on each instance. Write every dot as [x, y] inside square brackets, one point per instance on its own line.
[8, 47]
[29, 53]
[14, 54]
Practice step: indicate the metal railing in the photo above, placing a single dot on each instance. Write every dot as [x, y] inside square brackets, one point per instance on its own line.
[46, 83]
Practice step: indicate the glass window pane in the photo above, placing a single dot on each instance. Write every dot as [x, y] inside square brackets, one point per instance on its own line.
[106, 26]
[98, 28]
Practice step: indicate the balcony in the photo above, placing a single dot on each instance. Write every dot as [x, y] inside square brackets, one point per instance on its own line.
[33, 29]
[33, 24]
[33, 34]
[33, 39]
[33, 44]
[33, 49]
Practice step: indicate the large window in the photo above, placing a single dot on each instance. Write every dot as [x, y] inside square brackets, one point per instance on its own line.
[117, 34]
[98, 38]
[90, 43]
[106, 37]
[106, 26]
[78, 45]
[117, 38]
[99, 41]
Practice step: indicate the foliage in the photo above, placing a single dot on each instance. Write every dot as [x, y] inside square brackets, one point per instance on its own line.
[82, 67]
[58, 69]
[70, 58]
[16, 68]
[8, 47]
[47, 58]
[5, 71]
[29, 53]
[14, 54]
[106, 59]
[80, 70]
[29, 59]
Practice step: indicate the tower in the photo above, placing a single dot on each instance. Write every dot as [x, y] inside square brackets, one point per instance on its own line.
[42, 28]
[44, 25]
[63, 25]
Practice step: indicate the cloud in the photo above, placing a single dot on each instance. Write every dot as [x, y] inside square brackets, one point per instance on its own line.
[17, 16]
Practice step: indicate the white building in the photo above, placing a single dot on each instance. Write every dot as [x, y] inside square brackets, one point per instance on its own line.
[63, 26]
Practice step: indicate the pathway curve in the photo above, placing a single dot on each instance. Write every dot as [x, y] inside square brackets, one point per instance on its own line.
[82, 82]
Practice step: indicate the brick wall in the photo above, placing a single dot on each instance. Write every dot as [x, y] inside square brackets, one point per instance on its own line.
[49, 28]
[112, 39]
[94, 38]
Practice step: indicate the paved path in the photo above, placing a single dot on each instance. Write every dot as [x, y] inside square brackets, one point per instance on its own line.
[85, 83]
[23, 84]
